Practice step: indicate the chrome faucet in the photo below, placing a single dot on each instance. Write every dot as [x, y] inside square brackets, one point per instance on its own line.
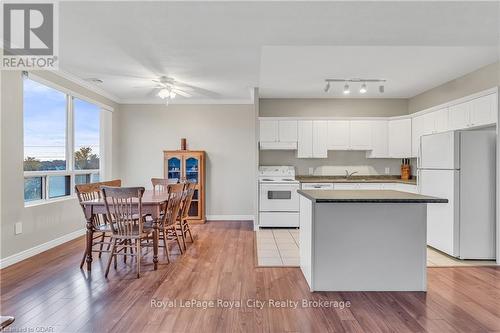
[349, 175]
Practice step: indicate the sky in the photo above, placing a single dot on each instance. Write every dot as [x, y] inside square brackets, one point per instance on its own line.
[45, 122]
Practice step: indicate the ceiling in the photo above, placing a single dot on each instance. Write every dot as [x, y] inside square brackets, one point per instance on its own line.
[287, 49]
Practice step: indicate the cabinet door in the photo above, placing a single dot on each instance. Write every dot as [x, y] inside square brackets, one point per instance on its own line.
[174, 172]
[320, 139]
[346, 186]
[441, 120]
[338, 134]
[429, 123]
[484, 110]
[192, 175]
[360, 135]
[268, 130]
[459, 115]
[400, 138]
[417, 130]
[379, 142]
[288, 130]
[304, 138]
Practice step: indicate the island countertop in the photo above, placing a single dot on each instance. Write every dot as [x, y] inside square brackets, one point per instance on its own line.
[355, 179]
[367, 196]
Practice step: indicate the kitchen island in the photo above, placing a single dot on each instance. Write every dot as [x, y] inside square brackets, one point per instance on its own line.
[363, 240]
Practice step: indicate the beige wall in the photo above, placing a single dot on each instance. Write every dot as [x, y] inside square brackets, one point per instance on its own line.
[481, 79]
[45, 222]
[332, 107]
[225, 132]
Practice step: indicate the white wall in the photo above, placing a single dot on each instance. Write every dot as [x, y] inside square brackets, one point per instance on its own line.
[46, 222]
[225, 132]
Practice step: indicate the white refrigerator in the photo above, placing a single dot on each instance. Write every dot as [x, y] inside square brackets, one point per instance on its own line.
[460, 166]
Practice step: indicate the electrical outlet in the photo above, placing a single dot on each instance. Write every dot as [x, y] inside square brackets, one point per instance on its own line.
[19, 228]
[387, 171]
[311, 171]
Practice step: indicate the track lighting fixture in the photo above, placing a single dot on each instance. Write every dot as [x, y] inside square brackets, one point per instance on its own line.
[362, 90]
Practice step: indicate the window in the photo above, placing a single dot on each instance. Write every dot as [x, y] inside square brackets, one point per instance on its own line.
[58, 153]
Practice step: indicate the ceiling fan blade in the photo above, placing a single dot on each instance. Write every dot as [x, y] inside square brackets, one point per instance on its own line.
[148, 86]
[182, 93]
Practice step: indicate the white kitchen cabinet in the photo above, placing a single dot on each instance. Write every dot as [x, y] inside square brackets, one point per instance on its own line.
[370, 186]
[320, 139]
[345, 186]
[379, 140]
[400, 138]
[360, 134]
[417, 130]
[305, 139]
[268, 130]
[441, 120]
[460, 115]
[484, 110]
[287, 130]
[338, 134]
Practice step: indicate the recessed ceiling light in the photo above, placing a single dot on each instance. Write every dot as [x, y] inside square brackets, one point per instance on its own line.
[346, 89]
[363, 90]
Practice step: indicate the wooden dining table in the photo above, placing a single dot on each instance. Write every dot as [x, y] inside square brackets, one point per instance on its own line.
[152, 202]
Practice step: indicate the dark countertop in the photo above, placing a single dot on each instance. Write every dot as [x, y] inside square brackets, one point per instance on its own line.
[355, 179]
[367, 196]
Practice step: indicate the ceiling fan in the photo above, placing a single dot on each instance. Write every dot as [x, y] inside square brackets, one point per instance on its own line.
[168, 88]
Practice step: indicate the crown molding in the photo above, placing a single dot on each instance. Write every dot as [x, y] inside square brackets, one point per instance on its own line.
[186, 101]
[87, 85]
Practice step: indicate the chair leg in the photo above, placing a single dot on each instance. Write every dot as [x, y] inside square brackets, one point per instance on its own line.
[111, 257]
[114, 254]
[189, 231]
[125, 248]
[83, 259]
[177, 239]
[100, 247]
[138, 256]
[183, 237]
[165, 239]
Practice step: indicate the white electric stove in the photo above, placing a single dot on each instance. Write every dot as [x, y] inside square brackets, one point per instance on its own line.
[278, 197]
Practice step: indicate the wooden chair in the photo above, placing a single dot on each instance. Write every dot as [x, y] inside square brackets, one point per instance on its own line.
[183, 225]
[168, 221]
[124, 210]
[160, 184]
[101, 228]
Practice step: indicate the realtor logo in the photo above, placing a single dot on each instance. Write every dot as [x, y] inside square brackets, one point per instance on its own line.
[29, 35]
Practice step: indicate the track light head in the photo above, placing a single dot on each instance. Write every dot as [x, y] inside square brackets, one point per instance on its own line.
[327, 87]
[381, 89]
[363, 90]
[346, 89]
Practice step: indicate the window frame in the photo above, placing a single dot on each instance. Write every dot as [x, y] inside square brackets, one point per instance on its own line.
[70, 146]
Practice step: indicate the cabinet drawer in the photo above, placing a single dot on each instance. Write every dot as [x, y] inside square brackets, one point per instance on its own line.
[281, 219]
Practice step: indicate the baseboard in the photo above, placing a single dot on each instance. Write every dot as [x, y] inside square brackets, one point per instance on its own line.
[230, 217]
[15, 258]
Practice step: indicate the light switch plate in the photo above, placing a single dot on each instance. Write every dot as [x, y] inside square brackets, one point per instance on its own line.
[387, 171]
[19, 228]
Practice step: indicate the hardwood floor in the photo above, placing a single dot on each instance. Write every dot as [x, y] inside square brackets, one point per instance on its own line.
[50, 291]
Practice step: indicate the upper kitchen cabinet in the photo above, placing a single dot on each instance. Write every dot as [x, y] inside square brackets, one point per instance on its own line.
[338, 134]
[360, 135]
[428, 123]
[460, 115]
[480, 111]
[278, 134]
[349, 135]
[379, 139]
[312, 139]
[484, 110]
[320, 139]
[441, 121]
[399, 138]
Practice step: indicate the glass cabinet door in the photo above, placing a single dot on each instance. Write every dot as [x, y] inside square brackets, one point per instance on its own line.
[174, 169]
[192, 170]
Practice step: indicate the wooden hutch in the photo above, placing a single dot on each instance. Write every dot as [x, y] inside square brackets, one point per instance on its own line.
[188, 165]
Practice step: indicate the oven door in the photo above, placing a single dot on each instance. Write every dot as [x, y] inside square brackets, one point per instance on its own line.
[279, 198]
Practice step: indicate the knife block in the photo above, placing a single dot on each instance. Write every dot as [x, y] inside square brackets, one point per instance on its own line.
[405, 171]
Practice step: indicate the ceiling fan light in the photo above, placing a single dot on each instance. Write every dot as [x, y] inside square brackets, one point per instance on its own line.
[163, 93]
[346, 89]
[363, 90]
[172, 94]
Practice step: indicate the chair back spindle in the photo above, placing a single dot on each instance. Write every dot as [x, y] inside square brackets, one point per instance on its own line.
[124, 207]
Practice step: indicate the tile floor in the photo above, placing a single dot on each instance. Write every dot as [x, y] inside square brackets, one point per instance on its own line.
[280, 247]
